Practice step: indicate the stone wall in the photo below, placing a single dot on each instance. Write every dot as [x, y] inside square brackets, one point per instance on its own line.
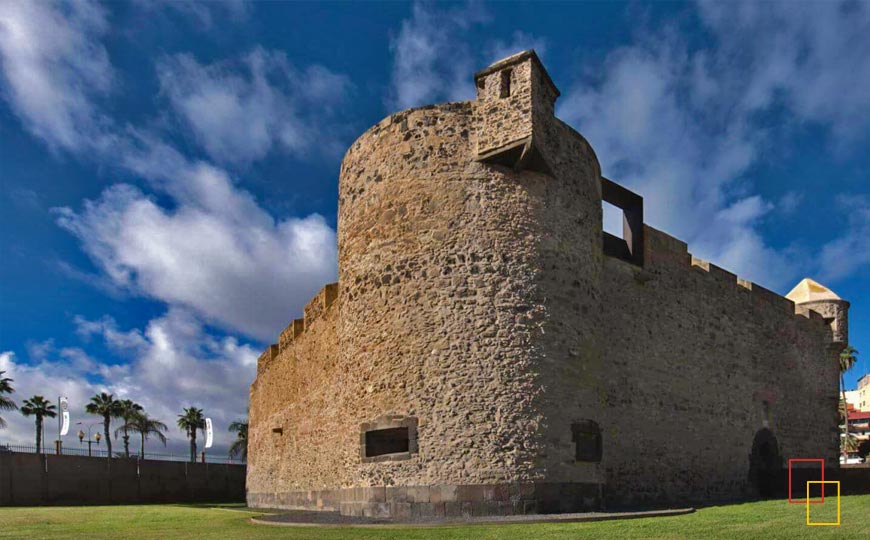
[439, 311]
[39, 480]
[296, 419]
[475, 305]
[691, 354]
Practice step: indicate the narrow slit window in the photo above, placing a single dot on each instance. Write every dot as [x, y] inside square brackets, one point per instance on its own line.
[586, 436]
[387, 441]
[504, 89]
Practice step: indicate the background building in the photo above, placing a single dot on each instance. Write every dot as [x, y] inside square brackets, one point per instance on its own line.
[860, 397]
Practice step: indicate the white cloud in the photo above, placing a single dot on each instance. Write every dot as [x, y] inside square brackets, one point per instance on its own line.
[207, 249]
[107, 328]
[520, 41]
[54, 66]
[175, 363]
[237, 110]
[215, 251]
[431, 58]
[240, 111]
[202, 13]
[790, 202]
[812, 56]
[679, 124]
[850, 252]
[49, 379]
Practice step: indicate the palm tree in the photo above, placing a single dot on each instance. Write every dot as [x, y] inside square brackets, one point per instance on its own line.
[239, 448]
[104, 405]
[142, 424]
[848, 358]
[6, 404]
[40, 408]
[189, 422]
[127, 410]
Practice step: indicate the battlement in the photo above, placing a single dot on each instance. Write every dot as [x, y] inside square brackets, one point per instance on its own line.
[268, 355]
[320, 303]
[662, 250]
[314, 310]
[293, 330]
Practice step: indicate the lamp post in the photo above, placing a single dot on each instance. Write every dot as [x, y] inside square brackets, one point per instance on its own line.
[96, 437]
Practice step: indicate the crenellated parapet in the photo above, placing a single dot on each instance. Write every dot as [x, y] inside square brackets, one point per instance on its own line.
[267, 356]
[320, 303]
[665, 251]
[293, 330]
[314, 310]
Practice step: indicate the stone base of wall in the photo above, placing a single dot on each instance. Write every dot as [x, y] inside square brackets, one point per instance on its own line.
[403, 502]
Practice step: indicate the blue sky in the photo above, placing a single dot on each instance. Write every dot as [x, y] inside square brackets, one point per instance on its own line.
[169, 170]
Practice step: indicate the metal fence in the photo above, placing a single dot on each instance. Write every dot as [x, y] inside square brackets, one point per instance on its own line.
[101, 453]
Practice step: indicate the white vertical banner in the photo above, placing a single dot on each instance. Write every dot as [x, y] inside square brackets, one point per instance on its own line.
[208, 433]
[64, 411]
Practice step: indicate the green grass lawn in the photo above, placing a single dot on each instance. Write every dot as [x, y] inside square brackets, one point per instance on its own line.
[767, 520]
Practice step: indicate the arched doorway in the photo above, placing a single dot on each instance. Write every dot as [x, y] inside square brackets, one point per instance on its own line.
[765, 463]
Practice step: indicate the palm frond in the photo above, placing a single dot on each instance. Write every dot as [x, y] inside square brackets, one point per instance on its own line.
[239, 448]
[38, 406]
[6, 404]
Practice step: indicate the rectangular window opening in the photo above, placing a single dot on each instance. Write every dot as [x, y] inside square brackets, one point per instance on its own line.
[622, 225]
[586, 436]
[387, 441]
[613, 219]
[505, 86]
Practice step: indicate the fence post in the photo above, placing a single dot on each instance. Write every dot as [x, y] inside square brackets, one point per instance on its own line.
[43, 476]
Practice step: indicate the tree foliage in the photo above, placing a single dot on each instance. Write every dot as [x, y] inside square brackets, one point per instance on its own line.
[189, 422]
[40, 408]
[6, 403]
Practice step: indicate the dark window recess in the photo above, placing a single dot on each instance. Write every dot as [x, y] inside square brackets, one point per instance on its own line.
[630, 246]
[586, 436]
[504, 89]
[387, 441]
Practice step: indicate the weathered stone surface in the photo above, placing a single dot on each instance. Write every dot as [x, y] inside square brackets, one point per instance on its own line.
[475, 304]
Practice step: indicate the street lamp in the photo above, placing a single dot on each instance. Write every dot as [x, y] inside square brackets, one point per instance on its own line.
[97, 435]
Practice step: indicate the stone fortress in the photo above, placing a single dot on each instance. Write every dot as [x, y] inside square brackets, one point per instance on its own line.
[489, 349]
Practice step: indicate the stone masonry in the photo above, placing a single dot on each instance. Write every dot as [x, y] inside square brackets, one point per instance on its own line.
[488, 349]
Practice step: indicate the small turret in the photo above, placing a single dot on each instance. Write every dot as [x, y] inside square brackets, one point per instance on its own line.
[516, 100]
[811, 295]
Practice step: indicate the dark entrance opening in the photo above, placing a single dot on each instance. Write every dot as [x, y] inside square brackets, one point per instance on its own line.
[387, 441]
[765, 463]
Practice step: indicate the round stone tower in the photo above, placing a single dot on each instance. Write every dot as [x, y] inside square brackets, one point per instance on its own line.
[812, 295]
[469, 242]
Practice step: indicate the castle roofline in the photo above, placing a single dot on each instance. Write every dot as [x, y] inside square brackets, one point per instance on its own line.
[516, 59]
[809, 290]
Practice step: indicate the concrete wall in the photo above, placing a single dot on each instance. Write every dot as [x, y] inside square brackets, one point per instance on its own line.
[34, 480]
